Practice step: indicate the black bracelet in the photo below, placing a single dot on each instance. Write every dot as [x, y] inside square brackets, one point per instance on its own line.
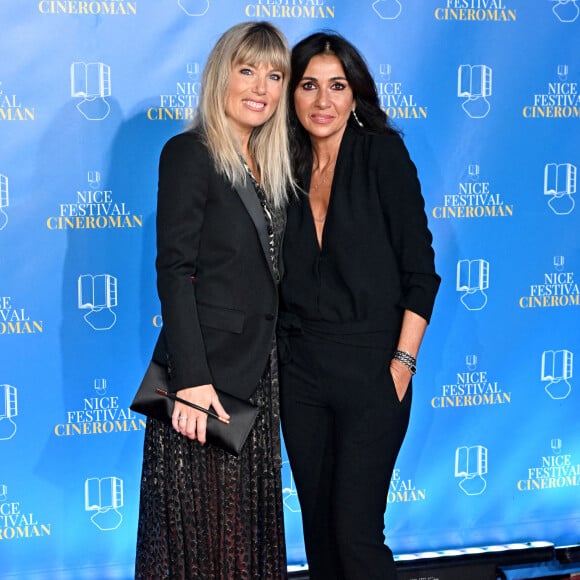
[407, 359]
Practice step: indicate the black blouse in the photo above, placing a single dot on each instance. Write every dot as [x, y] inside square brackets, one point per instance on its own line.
[376, 258]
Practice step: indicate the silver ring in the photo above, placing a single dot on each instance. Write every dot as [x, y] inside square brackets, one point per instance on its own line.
[182, 417]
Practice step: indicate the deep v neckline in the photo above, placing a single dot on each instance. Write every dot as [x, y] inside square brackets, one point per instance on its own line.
[320, 242]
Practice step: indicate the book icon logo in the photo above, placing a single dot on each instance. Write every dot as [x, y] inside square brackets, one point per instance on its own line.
[98, 295]
[566, 10]
[192, 69]
[474, 82]
[471, 361]
[8, 410]
[473, 171]
[557, 368]
[4, 201]
[289, 493]
[92, 83]
[194, 7]
[473, 280]
[562, 72]
[104, 496]
[560, 185]
[385, 70]
[387, 9]
[556, 445]
[100, 386]
[471, 466]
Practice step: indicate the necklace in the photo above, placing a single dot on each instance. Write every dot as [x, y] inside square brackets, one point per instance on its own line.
[268, 214]
[324, 179]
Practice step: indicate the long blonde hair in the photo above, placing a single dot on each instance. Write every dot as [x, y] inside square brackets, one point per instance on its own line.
[250, 43]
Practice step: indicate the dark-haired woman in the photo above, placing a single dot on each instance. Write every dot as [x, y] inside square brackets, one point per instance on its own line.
[357, 295]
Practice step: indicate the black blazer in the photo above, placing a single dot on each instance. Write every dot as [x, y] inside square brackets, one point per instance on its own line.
[215, 280]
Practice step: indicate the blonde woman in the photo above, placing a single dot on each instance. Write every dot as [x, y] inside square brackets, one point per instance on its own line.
[205, 514]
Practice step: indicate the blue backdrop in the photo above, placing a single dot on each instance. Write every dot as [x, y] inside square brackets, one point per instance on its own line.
[486, 92]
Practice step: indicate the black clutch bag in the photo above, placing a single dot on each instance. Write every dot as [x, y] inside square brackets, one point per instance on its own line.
[231, 436]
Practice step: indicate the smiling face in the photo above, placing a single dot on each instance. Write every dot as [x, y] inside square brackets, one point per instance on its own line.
[253, 93]
[323, 98]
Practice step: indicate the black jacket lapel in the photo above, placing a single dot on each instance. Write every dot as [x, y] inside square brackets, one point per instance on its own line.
[251, 202]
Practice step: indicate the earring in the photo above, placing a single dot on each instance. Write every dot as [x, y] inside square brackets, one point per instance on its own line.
[356, 118]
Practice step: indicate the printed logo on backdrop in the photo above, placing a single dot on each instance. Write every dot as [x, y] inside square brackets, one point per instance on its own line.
[474, 198]
[98, 294]
[474, 83]
[89, 7]
[557, 368]
[289, 493]
[4, 201]
[566, 10]
[91, 82]
[395, 101]
[557, 289]
[473, 280]
[553, 471]
[560, 99]
[476, 10]
[15, 320]
[313, 9]
[387, 9]
[8, 411]
[181, 104]
[94, 207]
[194, 7]
[560, 185]
[17, 524]
[470, 467]
[471, 388]
[98, 414]
[104, 496]
[11, 108]
[404, 490]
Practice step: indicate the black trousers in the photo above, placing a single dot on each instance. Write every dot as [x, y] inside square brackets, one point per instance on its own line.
[343, 426]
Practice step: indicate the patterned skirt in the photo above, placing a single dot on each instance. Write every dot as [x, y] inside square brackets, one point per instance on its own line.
[206, 515]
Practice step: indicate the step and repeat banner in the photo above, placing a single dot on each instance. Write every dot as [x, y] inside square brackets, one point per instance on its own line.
[487, 94]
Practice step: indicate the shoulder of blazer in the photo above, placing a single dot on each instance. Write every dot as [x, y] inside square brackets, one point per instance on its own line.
[380, 153]
[387, 147]
[187, 146]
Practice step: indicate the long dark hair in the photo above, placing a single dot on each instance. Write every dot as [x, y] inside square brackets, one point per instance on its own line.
[368, 108]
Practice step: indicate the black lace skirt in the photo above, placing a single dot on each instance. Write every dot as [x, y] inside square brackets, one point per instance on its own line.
[206, 515]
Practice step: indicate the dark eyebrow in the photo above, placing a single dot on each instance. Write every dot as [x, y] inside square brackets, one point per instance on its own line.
[330, 79]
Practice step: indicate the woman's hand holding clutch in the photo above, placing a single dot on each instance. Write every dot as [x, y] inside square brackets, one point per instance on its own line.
[190, 422]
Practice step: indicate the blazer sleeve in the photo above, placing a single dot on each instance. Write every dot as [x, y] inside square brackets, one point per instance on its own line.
[184, 175]
[404, 210]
